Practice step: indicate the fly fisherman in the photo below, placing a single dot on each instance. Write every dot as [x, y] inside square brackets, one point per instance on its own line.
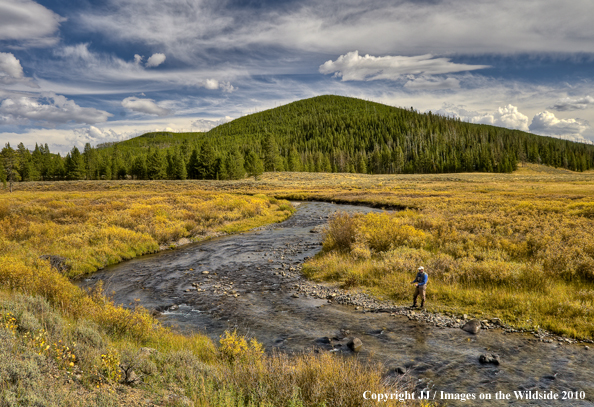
[421, 285]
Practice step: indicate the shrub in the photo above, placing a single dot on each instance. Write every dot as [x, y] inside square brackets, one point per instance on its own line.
[341, 232]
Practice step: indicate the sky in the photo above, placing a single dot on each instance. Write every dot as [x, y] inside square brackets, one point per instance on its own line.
[80, 71]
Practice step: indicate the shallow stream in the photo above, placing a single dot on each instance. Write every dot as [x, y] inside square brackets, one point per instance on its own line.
[250, 285]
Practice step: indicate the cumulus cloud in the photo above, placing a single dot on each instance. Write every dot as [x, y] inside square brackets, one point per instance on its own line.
[506, 116]
[546, 124]
[11, 71]
[543, 123]
[154, 60]
[95, 135]
[216, 84]
[10, 66]
[207, 124]
[147, 106]
[211, 84]
[48, 109]
[28, 23]
[428, 83]
[566, 104]
[353, 67]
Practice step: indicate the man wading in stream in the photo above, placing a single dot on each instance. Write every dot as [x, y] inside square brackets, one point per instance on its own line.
[421, 283]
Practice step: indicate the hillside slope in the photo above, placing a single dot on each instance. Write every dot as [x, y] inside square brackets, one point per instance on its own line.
[362, 136]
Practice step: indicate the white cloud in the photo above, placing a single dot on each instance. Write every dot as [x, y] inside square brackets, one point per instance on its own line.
[28, 23]
[94, 72]
[227, 87]
[211, 84]
[94, 136]
[10, 66]
[49, 109]
[567, 104]
[507, 116]
[207, 124]
[11, 71]
[543, 123]
[546, 124]
[185, 29]
[147, 106]
[154, 60]
[62, 139]
[428, 83]
[353, 67]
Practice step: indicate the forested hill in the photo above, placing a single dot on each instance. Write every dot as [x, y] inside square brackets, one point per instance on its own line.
[335, 133]
[324, 133]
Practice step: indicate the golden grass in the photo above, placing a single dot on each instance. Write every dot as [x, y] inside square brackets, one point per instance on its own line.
[45, 358]
[515, 246]
[56, 340]
[518, 247]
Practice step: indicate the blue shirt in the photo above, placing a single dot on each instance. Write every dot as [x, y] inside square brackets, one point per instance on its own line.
[421, 278]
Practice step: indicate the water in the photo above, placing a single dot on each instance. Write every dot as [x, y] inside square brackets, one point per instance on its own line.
[245, 289]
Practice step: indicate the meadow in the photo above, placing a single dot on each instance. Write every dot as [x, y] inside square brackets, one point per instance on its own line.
[514, 246]
[518, 247]
[62, 346]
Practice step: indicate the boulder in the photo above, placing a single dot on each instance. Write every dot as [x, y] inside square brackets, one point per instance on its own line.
[473, 326]
[131, 378]
[489, 358]
[355, 344]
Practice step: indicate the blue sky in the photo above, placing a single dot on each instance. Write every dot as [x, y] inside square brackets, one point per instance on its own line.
[80, 71]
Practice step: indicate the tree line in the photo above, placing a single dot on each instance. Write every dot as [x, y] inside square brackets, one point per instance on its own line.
[322, 134]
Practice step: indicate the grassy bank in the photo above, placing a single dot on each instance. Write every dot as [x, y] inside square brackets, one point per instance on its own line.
[60, 346]
[518, 248]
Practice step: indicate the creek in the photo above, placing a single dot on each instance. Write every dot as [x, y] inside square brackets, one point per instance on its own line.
[251, 286]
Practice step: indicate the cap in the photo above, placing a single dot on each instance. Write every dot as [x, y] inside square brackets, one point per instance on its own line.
[421, 268]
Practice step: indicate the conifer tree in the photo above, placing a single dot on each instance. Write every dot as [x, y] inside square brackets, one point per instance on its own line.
[90, 159]
[235, 164]
[179, 167]
[294, 161]
[254, 165]
[74, 165]
[193, 165]
[10, 164]
[271, 155]
[155, 165]
[139, 169]
[206, 162]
